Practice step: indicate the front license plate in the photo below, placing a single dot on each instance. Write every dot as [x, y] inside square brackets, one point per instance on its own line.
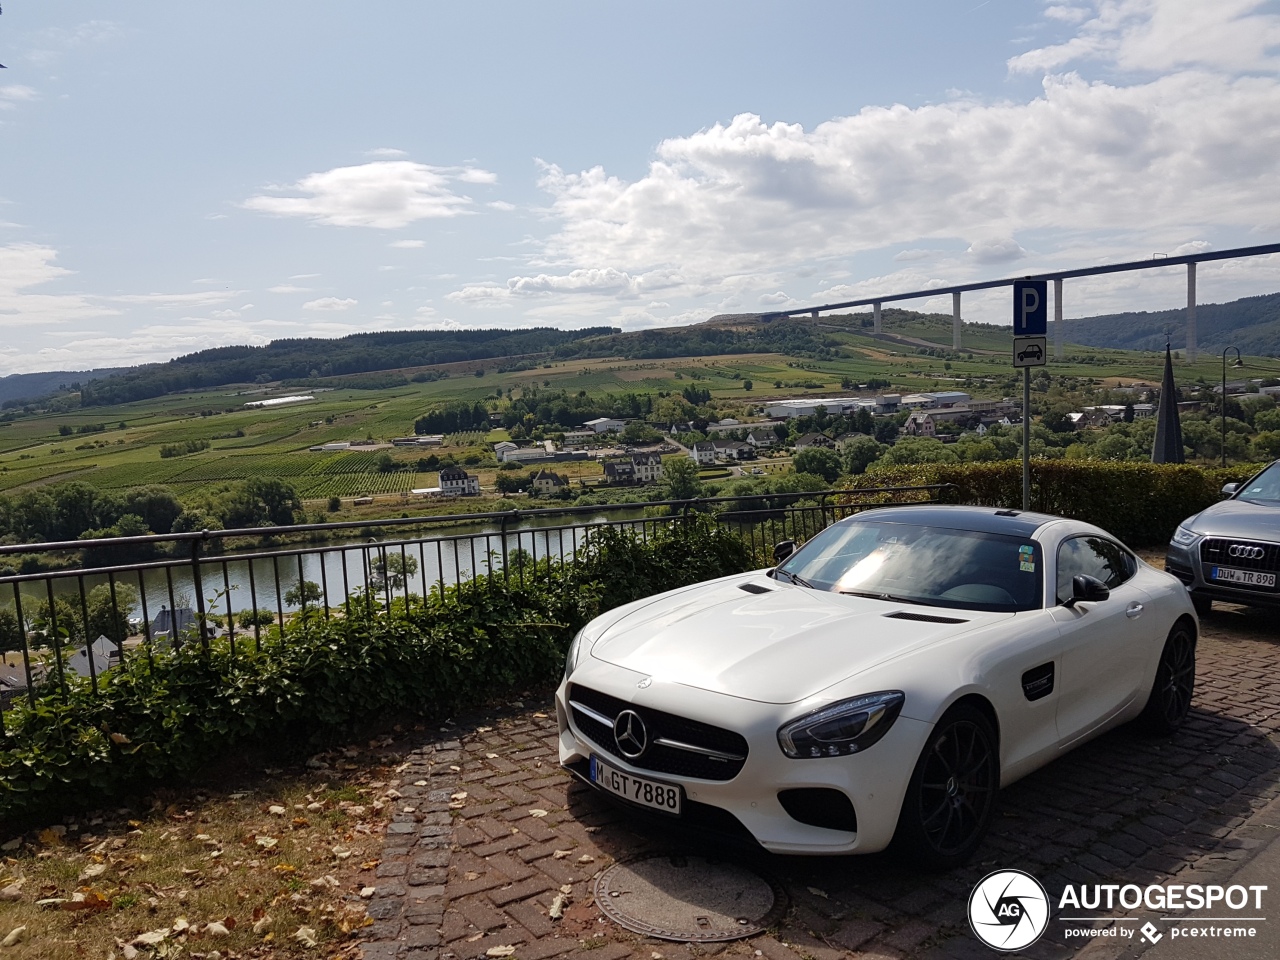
[647, 793]
[1246, 578]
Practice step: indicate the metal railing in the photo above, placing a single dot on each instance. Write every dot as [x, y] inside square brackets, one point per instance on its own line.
[106, 599]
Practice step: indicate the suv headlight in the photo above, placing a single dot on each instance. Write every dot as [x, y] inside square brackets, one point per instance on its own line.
[843, 728]
[1184, 537]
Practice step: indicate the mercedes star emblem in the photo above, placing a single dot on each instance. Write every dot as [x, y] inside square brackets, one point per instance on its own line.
[630, 734]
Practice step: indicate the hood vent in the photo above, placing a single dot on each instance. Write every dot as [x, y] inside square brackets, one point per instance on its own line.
[922, 617]
[754, 588]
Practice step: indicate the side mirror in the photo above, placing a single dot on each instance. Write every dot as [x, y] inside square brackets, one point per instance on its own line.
[1085, 587]
[1229, 488]
[783, 550]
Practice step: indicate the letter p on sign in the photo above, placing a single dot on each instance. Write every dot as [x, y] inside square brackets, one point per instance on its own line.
[1030, 308]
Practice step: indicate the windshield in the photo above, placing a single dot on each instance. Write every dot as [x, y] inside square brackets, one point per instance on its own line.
[1264, 487]
[934, 566]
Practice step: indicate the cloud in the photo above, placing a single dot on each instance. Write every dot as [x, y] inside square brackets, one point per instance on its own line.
[599, 281]
[329, 303]
[183, 300]
[773, 299]
[13, 94]
[502, 205]
[915, 253]
[1162, 35]
[407, 244]
[27, 265]
[53, 43]
[288, 288]
[1067, 13]
[384, 194]
[390, 152]
[1001, 250]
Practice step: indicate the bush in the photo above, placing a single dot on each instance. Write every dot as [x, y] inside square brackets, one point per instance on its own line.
[1141, 503]
[162, 717]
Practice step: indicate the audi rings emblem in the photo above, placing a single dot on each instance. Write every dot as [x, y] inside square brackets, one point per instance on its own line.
[1243, 551]
[629, 732]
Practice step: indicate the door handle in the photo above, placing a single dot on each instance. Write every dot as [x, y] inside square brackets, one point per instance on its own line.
[1134, 611]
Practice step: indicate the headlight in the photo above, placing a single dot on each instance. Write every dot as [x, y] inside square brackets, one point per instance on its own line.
[571, 660]
[1185, 537]
[843, 728]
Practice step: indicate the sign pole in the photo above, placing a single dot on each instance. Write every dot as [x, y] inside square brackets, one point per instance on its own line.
[1030, 347]
[1026, 438]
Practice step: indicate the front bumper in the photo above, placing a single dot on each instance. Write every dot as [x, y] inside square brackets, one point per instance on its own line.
[874, 781]
[1184, 562]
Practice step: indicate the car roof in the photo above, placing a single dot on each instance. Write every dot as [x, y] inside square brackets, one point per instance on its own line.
[1016, 523]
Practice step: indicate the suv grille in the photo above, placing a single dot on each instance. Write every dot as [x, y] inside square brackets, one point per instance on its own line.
[1216, 552]
[676, 745]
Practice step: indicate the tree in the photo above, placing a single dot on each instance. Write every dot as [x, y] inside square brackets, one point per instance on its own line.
[859, 453]
[248, 619]
[308, 591]
[109, 617]
[156, 505]
[506, 482]
[393, 570]
[10, 630]
[918, 450]
[819, 462]
[747, 385]
[680, 479]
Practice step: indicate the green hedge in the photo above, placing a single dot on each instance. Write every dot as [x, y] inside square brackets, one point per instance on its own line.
[161, 719]
[1141, 503]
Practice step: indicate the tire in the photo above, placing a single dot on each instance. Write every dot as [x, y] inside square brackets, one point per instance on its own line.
[1171, 692]
[951, 798]
[1202, 604]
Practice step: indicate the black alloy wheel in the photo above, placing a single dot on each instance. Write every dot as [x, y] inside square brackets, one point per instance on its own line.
[951, 798]
[1175, 683]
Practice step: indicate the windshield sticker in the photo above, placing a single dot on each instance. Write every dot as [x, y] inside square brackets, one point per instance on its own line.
[1027, 566]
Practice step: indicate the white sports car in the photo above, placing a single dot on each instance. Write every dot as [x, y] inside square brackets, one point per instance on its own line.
[881, 683]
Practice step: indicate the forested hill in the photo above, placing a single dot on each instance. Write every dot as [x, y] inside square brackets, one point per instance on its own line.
[30, 386]
[1252, 324]
[310, 358]
[362, 359]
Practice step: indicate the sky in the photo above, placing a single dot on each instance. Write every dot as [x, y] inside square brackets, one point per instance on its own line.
[178, 176]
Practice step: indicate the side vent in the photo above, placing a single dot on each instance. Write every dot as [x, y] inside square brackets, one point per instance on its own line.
[753, 588]
[922, 617]
[1037, 682]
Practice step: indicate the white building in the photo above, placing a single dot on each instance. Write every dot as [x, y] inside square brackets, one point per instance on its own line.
[704, 452]
[648, 467]
[456, 482]
[920, 425]
[605, 425]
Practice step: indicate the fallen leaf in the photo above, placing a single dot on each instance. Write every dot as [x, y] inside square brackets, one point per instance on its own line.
[818, 893]
[267, 843]
[537, 813]
[305, 936]
[51, 903]
[461, 795]
[471, 875]
[557, 907]
[585, 858]
[217, 929]
[500, 951]
[13, 844]
[367, 892]
[491, 756]
[120, 738]
[13, 891]
[541, 716]
[261, 924]
[277, 810]
[152, 937]
[93, 870]
[14, 936]
[50, 837]
[181, 925]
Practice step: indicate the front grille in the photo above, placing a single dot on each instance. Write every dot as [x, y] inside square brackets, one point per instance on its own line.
[1216, 552]
[725, 751]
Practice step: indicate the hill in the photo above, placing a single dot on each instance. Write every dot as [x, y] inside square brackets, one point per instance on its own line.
[18, 387]
[1252, 324]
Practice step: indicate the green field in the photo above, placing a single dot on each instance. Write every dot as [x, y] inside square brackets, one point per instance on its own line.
[273, 443]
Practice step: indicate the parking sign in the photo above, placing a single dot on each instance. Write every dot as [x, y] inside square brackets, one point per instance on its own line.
[1030, 308]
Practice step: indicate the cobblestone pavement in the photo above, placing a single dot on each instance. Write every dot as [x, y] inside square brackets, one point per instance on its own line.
[491, 832]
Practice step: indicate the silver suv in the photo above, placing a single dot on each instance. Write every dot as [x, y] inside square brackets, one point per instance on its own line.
[1231, 551]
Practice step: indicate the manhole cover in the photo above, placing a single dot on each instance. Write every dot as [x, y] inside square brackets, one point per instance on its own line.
[676, 897]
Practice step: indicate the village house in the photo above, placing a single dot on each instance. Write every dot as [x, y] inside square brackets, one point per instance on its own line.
[456, 482]
[920, 425]
[545, 482]
[810, 440]
[704, 452]
[647, 467]
[762, 439]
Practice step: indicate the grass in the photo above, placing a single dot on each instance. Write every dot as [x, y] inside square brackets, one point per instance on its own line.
[277, 862]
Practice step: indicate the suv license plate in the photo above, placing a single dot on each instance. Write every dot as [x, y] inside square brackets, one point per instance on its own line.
[647, 793]
[1246, 578]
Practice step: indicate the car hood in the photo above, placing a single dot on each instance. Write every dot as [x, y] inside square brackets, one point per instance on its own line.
[779, 646]
[1238, 518]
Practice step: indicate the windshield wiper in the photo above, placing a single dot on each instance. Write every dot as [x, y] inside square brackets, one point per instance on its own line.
[796, 578]
[894, 598]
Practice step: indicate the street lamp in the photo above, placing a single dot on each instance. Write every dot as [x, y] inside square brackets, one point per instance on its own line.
[1238, 363]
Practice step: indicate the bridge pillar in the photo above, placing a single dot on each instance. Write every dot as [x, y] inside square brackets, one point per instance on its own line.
[1191, 312]
[875, 318]
[814, 314]
[955, 320]
[1057, 319]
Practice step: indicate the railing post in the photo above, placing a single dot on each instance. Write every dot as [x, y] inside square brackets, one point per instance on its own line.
[506, 573]
[198, 585]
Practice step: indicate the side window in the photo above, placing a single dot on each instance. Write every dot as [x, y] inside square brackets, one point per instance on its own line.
[1095, 557]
